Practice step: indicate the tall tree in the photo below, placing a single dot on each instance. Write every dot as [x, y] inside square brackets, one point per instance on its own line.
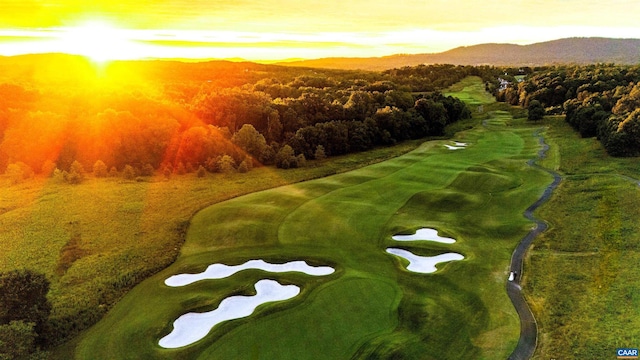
[535, 110]
[250, 140]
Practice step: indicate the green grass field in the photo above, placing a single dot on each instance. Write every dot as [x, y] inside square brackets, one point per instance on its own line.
[582, 277]
[371, 307]
[96, 240]
[471, 91]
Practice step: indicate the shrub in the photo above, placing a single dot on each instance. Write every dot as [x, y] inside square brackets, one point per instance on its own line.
[535, 111]
[286, 158]
[212, 164]
[301, 161]
[129, 173]
[77, 167]
[113, 172]
[147, 170]
[202, 172]
[75, 174]
[100, 169]
[246, 165]
[319, 153]
[249, 160]
[242, 168]
[72, 177]
[58, 175]
[267, 156]
[18, 172]
[17, 340]
[227, 164]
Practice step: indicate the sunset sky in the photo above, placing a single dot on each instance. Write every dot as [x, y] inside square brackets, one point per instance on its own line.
[271, 30]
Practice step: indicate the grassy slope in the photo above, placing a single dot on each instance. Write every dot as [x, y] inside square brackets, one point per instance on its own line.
[97, 239]
[371, 306]
[583, 272]
[471, 91]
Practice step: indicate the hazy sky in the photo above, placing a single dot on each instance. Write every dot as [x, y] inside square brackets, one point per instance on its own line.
[293, 28]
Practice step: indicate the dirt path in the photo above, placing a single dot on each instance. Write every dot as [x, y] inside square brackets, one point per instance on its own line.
[528, 327]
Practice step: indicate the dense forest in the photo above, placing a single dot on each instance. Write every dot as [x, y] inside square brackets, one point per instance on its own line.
[64, 116]
[601, 100]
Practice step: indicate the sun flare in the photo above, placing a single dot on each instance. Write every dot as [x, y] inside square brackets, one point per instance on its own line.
[98, 41]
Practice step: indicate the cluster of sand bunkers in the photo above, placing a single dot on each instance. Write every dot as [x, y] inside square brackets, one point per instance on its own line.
[192, 327]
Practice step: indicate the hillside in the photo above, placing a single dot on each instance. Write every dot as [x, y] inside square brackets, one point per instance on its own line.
[572, 50]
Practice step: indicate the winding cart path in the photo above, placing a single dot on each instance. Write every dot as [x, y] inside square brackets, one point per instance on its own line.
[528, 327]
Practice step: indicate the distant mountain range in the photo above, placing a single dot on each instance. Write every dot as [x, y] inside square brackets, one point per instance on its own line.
[563, 51]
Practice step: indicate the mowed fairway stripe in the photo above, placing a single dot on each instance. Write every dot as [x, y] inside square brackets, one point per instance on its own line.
[344, 221]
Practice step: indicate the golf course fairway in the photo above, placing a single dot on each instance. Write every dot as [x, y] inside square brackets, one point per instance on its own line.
[371, 306]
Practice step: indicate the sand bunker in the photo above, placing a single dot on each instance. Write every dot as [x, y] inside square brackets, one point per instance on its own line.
[451, 147]
[424, 264]
[425, 234]
[192, 327]
[219, 271]
[458, 146]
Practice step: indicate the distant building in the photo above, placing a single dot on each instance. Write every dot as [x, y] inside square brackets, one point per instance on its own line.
[503, 84]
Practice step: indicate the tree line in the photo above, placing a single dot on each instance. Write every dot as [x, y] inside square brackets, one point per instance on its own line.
[599, 100]
[260, 115]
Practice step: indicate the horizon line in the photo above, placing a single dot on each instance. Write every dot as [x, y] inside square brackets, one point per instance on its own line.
[284, 60]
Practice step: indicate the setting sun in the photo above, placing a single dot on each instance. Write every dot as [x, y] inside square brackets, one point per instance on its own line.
[253, 30]
[97, 40]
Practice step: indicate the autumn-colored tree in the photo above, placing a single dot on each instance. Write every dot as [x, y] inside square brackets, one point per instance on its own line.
[227, 164]
[100, 169]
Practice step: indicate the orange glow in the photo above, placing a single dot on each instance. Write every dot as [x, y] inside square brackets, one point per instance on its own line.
[282, 29]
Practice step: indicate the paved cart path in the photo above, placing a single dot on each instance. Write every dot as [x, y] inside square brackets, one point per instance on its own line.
[528, 327]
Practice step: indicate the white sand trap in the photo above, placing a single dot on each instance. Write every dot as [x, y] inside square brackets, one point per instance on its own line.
[424, 264]
[220, 271]
[425, 234]
[458, 146]
[191, 327]
[451, 147]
